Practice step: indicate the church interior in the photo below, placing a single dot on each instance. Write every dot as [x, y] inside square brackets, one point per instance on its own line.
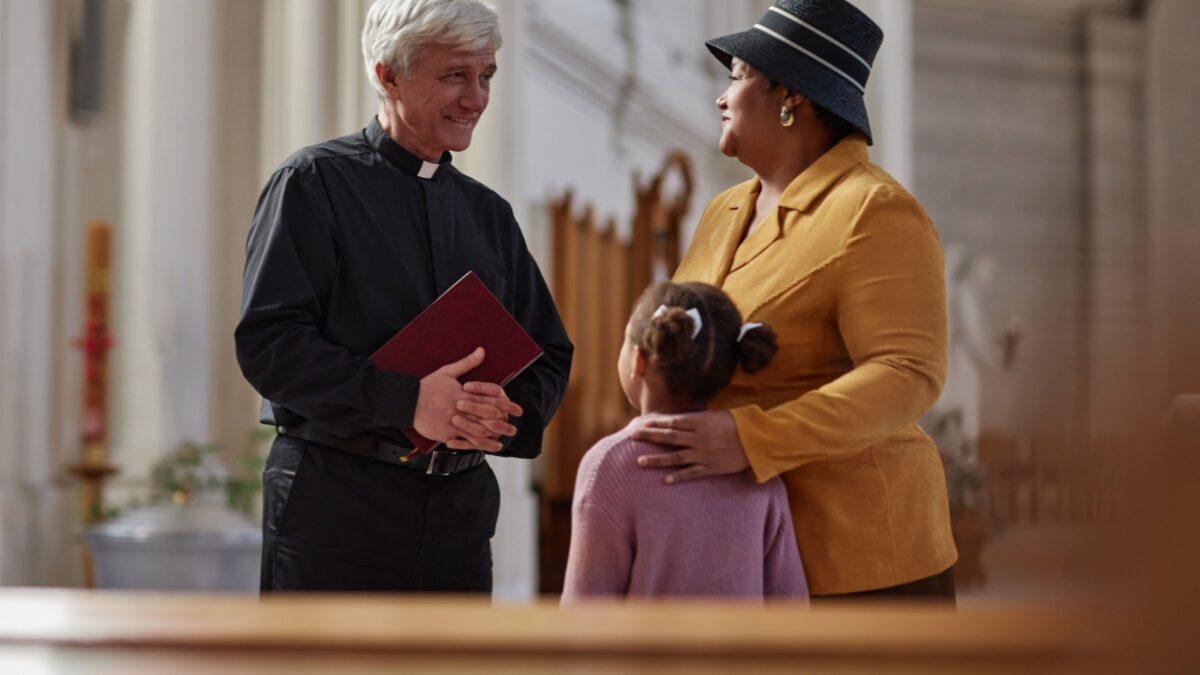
[1053, 143]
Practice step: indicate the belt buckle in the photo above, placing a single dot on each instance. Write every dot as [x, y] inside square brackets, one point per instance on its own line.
[433, 461]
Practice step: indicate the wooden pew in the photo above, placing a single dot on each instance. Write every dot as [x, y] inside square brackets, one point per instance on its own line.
[71, 631]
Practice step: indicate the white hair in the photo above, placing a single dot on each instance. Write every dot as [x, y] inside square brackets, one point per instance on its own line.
[397, 30]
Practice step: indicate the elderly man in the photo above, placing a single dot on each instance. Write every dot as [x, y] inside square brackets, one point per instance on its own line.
[351, 239]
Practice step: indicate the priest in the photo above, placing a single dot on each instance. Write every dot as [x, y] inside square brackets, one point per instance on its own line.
[350, 240]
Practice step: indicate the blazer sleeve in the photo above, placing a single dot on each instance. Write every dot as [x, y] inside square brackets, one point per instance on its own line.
[890, 303]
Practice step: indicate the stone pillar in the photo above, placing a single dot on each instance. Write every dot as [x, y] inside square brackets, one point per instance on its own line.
[165, 302]
[31, 112]
[1117, 312]
[239, 181]
[1001, 168]
[890, 88]
[299, 76]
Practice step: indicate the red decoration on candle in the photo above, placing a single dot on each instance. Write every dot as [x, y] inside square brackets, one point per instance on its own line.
[96, 340]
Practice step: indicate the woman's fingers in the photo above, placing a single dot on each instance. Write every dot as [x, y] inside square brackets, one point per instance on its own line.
[683, 422]
[680, 458]
[679, 437]
[708, 443]
[693, 471]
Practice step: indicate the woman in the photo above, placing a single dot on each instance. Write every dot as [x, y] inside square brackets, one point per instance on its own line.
[844, 263]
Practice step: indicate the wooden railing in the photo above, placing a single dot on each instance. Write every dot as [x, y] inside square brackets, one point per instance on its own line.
[69, 632]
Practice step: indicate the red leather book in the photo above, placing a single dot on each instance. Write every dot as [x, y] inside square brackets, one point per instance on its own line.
[466, 316]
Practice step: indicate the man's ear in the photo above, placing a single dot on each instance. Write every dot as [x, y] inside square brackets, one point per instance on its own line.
[387, 78]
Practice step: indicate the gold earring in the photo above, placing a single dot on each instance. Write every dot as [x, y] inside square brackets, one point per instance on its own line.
[785, 117]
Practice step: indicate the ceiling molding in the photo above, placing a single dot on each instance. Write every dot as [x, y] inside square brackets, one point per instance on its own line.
[597, 81]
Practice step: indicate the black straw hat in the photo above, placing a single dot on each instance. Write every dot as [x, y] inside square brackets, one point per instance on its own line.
[820, 49]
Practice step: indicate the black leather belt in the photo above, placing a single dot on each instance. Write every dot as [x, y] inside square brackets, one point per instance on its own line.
[436, 463]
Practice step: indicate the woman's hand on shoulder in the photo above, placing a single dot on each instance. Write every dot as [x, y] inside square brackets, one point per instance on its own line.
[707, 442]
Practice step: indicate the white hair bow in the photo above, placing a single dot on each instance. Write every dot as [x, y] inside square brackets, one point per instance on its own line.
[694, 313]
[746, 328]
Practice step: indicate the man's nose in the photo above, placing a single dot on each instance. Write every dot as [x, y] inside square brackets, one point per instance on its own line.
[475, 98]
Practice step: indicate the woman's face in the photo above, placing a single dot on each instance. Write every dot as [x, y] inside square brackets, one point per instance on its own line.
[749, 111]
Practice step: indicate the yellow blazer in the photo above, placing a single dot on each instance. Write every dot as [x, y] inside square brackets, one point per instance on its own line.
[848, 271]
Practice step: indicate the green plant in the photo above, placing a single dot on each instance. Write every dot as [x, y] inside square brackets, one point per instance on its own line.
[192, 469]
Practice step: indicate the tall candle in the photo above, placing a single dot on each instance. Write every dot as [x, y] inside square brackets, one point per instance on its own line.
[99, 233]
[95, 341]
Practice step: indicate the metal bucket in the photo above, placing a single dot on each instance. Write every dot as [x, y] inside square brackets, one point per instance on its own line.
[191, 547]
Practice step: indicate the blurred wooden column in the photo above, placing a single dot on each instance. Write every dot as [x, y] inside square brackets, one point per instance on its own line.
[597, 277]
[1172, 55]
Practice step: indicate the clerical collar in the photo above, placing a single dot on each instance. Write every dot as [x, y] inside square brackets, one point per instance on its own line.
[396, 154]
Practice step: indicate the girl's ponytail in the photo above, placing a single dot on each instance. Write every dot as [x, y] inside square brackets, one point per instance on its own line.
[756, 347]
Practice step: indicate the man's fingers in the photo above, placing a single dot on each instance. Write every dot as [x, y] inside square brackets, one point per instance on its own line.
[485, 389]
[501, 405]
[681, 458]
[495, 427]
[480, 410]
[468, 442]
[469, 427]
[464, 365]
[694, 471]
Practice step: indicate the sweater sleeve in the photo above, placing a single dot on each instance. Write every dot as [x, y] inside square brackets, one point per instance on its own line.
[600, 558]
[783, 572]
[891, 313]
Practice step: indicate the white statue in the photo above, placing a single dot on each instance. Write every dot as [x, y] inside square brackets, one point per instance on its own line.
[975, 344]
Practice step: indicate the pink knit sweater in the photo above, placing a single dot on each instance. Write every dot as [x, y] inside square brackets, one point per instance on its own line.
[632, 535]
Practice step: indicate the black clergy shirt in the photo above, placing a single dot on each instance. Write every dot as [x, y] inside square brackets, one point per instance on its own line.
[351, 239]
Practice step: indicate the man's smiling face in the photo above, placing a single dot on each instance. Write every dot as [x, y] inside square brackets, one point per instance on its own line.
[441, 102]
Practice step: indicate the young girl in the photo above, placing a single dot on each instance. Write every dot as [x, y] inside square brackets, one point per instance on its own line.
[634, 536]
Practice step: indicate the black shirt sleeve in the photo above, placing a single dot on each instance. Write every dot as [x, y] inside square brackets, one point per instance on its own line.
[292, 260]
[540, 388]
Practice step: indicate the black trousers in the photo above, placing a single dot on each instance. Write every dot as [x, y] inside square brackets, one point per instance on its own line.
[333, 521]
[937, 588]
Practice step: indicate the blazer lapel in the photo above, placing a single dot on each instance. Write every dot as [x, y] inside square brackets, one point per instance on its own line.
[758, 241]
[711, 252]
